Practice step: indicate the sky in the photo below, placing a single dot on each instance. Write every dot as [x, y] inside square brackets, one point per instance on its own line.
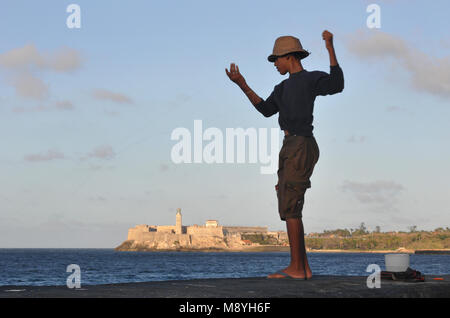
[87, 116]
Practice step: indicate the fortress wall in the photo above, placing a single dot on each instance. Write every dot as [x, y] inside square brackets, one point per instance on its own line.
[208, 241]
[142, 227]
[131, 234]
[135, 235]
[134, 232]
[204, 231]
[282, 236]
[166, 228]
[245, 229]
[163, 240]
[166, 234]
[279, 235]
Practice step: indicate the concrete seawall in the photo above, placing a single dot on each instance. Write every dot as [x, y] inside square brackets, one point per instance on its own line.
[254, 287]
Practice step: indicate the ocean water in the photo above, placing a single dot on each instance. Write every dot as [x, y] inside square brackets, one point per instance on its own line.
[47, 267]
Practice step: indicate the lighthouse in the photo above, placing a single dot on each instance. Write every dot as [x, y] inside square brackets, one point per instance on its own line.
[178, 224]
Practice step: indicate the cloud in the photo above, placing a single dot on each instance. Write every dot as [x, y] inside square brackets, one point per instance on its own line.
[28, 57]
[23, 62]
[102, 152]
[380, 193]
[103, 94]
[29, 86]
[427, 73]
[50, 155]
[60, 105]
[376, 44]
[64, 60]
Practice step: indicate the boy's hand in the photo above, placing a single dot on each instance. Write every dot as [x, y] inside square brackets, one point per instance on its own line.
[328, 37]
[235, 75]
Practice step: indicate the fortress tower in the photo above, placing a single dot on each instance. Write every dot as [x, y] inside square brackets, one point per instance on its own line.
[178, 224]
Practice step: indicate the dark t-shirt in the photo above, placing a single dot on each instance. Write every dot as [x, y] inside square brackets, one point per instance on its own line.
[294, 98]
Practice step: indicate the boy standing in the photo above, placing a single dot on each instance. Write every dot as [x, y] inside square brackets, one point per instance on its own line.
[294, 100]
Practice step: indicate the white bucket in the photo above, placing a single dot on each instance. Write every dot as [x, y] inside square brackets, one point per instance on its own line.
[396, 262]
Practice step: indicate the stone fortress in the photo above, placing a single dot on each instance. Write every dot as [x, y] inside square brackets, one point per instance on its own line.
[208, 236]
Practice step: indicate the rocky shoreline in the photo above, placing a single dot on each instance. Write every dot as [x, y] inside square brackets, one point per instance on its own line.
[129, 247]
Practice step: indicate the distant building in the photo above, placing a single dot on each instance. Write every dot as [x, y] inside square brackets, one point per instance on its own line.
[212, 223]
[209, 235]
[178, 223]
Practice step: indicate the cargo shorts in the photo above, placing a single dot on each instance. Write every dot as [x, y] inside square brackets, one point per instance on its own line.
[298, 156]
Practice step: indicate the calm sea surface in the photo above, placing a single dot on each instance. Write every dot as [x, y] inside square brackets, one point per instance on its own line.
[105, 266]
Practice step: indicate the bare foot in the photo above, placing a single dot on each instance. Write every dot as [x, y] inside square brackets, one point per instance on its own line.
[292, 273]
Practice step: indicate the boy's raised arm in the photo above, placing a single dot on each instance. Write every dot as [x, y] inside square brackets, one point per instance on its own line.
[327, 84]
[328, 37]
[237, 78]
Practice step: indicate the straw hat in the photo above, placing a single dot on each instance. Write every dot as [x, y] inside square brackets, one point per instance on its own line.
[287, 44]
